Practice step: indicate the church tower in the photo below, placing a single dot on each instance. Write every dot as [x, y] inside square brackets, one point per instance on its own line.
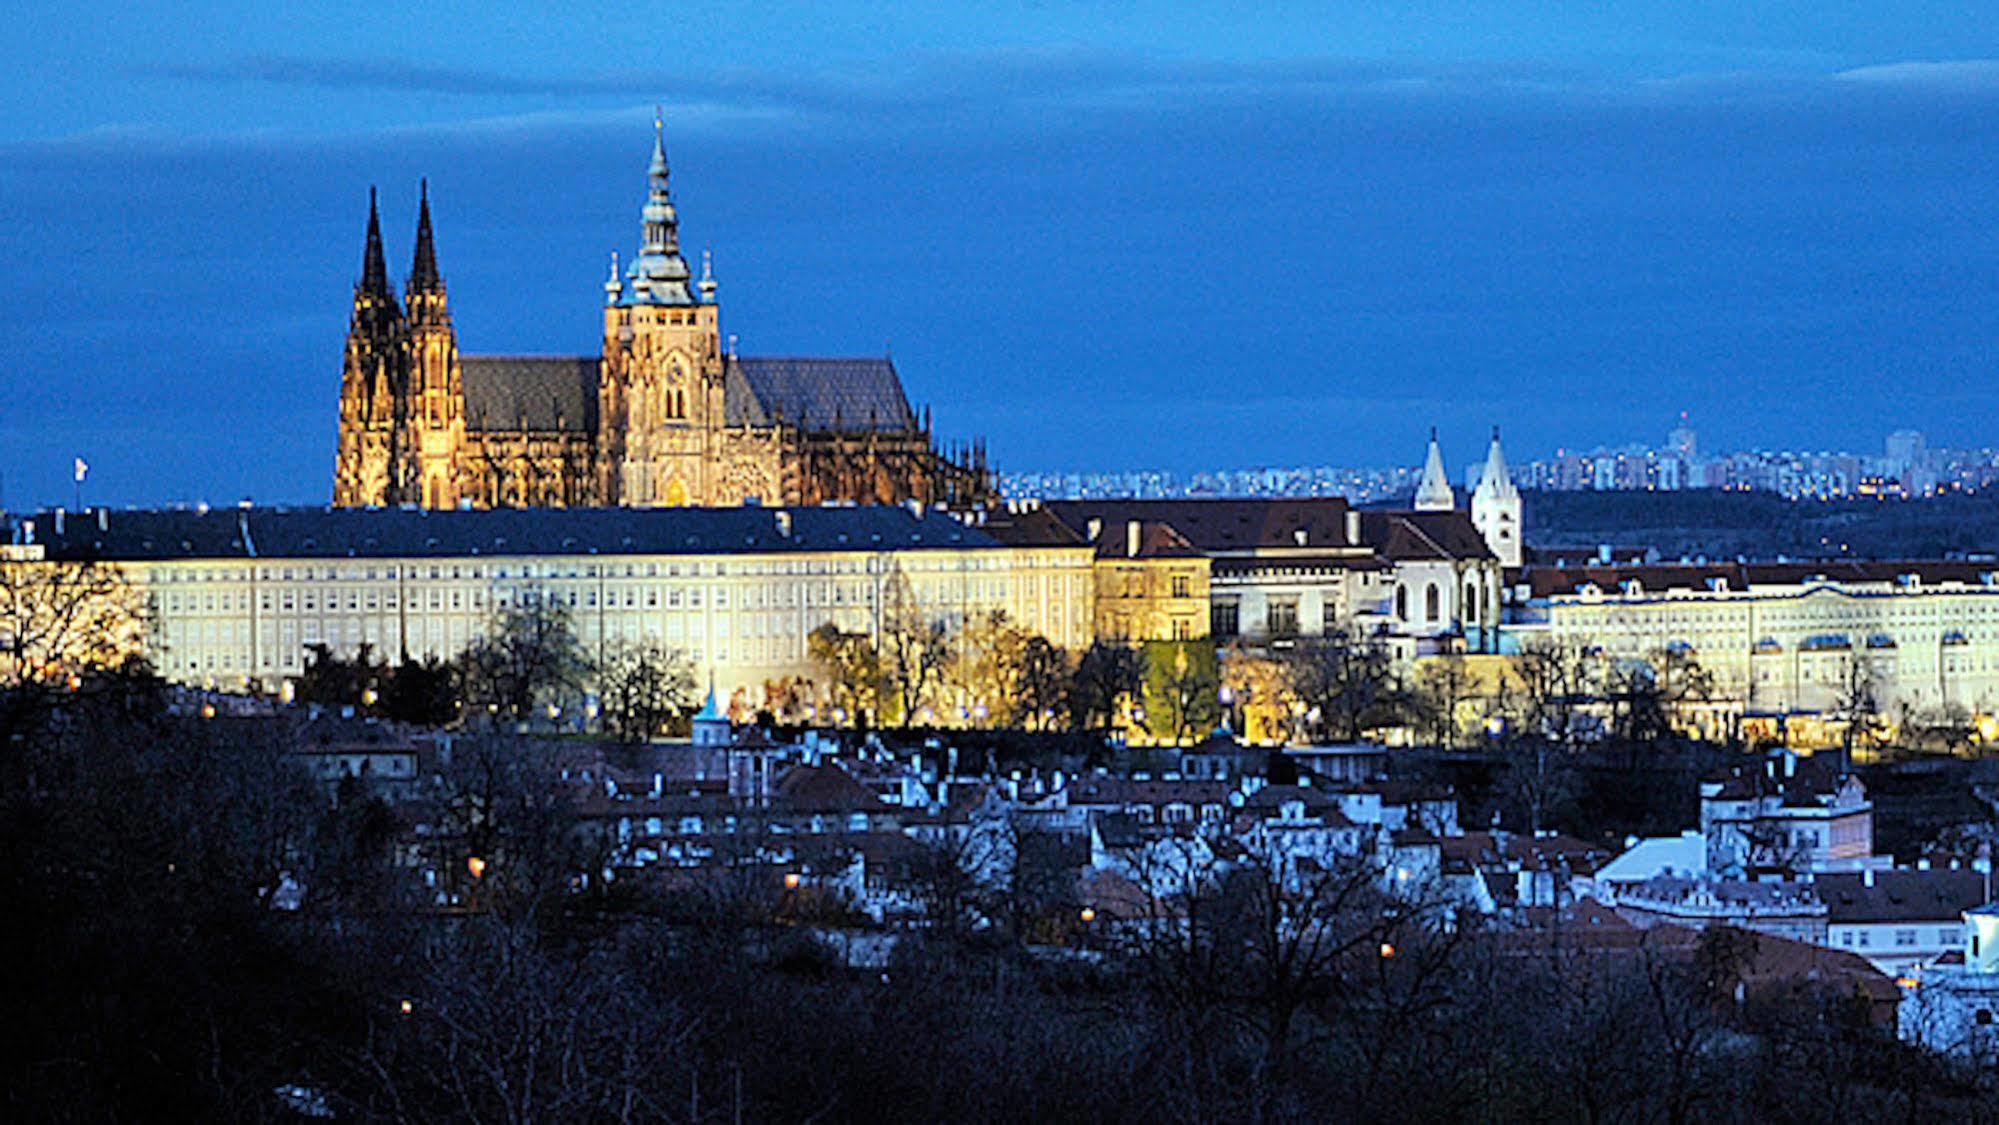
[372, 383]
[434, 424]
[660, 398]
[1433, 494]
[1495, 507]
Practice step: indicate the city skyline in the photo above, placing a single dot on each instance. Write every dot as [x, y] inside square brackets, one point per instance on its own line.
[1906, 465]
[1325, 236]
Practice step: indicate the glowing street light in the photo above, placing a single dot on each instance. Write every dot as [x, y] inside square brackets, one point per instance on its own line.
[476, 865]
[1088, 915]
[1387, 950]
[791, 880]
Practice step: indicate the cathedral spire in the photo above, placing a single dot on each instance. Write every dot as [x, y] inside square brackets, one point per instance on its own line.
[374, 268]
[423, 269]
[659, 274]
[1434, 493]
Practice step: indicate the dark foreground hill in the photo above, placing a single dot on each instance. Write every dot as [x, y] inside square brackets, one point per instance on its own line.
[1761, 525]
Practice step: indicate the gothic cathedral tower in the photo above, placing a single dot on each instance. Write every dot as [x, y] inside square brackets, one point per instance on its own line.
[660, 399]
[402, 405]
[435, 424]
[372, 379]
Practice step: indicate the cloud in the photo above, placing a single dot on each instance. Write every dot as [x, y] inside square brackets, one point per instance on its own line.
[1962, 75]
[914, 83]
[1046, 90]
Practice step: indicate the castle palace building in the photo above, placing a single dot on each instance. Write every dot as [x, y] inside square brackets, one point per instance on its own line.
[664, 416]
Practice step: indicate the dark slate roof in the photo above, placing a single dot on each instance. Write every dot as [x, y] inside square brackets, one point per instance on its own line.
[1408, 536]
[1027, 527]
[234, 533]
[822, 789]
[1900, 896]
[1155, 541]
[514, 392]
[1550, 581]
[825, 394]
[1221, 525]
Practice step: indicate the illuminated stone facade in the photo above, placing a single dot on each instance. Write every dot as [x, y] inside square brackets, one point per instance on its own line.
[663, 416]
[1792, 639]
[236, 595]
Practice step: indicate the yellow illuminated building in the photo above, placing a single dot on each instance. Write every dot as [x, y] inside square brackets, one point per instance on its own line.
[665, 414]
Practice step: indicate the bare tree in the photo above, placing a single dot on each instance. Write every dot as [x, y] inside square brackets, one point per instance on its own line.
[985, 677]
[1274, 933]
[1443, 685]
[1182, 686]
[1540, 779]
[528, 658]
[1637, 700]
[1686, 687]
[1859, 702]
[916, 647]
[1349, 683]
[641, 687]
[1106, 677]
[1044, 678]
[1558, 683]
[64, 627]
[853, 668]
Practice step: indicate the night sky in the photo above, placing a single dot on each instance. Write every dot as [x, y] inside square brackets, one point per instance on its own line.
[1103, 236]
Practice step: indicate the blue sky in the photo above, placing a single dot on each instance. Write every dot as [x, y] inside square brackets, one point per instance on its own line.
[1101, 235]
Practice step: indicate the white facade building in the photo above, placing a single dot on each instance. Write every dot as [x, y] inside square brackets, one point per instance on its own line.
[237, 595]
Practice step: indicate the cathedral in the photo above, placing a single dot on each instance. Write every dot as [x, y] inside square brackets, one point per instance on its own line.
[665, 415]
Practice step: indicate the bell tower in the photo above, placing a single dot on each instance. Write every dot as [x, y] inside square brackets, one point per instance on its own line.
[1495, 507]
[661, 407]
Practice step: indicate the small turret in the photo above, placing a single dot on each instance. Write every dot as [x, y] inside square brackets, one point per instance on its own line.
[711, 726]
[614, 286]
